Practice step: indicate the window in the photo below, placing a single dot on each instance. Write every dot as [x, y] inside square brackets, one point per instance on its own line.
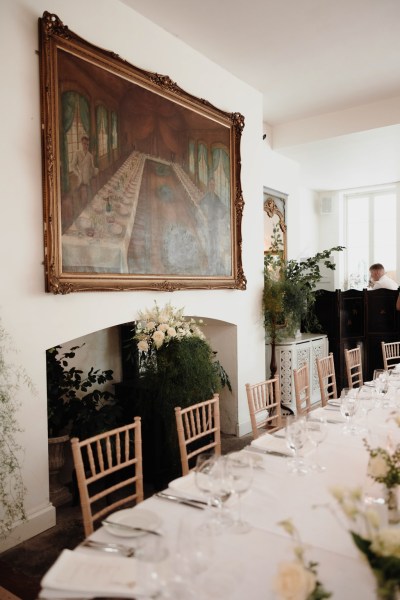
[370, 234]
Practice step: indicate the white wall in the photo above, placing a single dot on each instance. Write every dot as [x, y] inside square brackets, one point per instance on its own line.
[283, 175]
[37, 320]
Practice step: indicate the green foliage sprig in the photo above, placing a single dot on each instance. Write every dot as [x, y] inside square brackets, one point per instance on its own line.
[74, 405]
[309, 585]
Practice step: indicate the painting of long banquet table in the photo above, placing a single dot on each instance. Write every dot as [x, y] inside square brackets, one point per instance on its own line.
[141, 179]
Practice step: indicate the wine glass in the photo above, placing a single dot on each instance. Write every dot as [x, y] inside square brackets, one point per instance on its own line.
[240, 473]
[317, 430]
[296, 436]
[367, 403]
[381, 381]
[349, 404]
[211, 479]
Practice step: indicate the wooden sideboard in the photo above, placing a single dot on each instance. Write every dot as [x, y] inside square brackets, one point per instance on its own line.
[293, 353]
[358, 318]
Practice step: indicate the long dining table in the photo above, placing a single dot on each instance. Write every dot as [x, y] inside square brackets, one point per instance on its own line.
[245, 565]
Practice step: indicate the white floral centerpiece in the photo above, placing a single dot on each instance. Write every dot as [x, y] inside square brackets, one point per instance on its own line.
[379, 544]
[176, 367]
[384, 468]
[159, 326]
[298, 579]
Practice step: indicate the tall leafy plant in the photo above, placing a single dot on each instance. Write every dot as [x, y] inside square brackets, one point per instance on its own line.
[289, 293]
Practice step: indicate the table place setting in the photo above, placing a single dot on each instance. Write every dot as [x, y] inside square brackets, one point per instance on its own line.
[81, 574]
[271, 445]
[234, 545]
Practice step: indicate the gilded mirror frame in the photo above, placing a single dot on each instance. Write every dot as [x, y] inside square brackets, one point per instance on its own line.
[275, 230]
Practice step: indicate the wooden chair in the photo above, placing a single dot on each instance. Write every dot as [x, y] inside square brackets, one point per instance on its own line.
[301, 380]
[327, 378]
[354, 368]
[98, 460]
[264, 400]
[390, 354]
[199, 430]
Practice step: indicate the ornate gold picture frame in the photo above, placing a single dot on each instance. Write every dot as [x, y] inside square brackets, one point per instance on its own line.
[141, 180]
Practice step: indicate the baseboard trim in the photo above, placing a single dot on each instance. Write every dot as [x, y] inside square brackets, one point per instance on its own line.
[36, 523]
[6, 595]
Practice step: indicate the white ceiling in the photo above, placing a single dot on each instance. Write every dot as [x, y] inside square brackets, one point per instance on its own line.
[308, 58]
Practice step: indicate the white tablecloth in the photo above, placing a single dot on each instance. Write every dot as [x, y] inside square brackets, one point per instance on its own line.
[245, 565]
[99, 239]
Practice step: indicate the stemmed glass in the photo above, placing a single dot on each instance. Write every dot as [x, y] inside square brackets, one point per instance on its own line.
[381, 381]
[240, 473]
[211, 478]
[296, 436]
[349, 404]
[317, 430]
[367, 403]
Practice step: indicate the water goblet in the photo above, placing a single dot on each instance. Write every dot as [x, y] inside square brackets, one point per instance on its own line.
[317, 430]
[211, 479]
[296, 436]
[348, 407]
[240, 473]
[381, 381]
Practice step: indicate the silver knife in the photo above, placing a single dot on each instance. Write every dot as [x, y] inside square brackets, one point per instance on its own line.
[111, 548]
[189, 502]
[271, 452]
[130, 527]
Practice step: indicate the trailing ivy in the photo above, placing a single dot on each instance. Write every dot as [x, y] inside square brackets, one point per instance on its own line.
[12, 488]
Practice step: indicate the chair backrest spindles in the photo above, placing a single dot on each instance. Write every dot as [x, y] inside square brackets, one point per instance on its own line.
[354, 367]
[194, 423]
[101, 458]
[301, 380]
[264, 401]
[390, 354]
[326, 378]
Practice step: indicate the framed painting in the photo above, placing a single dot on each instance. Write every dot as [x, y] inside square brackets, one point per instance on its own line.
[141, 180]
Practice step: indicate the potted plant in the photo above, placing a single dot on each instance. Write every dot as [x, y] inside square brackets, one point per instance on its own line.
[289, 295]
[75, 407]
[177, 367]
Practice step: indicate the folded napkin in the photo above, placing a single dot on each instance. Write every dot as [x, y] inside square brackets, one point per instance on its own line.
[186, 487]
[333, 402]
[328, 414]
[93, 575]
[269, 442]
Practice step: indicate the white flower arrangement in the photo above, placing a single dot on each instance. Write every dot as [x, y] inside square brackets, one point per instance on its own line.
[157, 327]
[379, 544]
[298, 579]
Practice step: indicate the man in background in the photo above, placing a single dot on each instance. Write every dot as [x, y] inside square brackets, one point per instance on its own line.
[379, 280]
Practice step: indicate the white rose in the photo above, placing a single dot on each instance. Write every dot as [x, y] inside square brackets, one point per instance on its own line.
[373, 518]
[151, 325]
[158, 338]
[387, 542]
[143, 346]
[294, 582]
[162, 327]
[171, 332]
[377, 466]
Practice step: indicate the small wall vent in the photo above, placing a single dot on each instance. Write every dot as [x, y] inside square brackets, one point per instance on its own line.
[326, 205]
